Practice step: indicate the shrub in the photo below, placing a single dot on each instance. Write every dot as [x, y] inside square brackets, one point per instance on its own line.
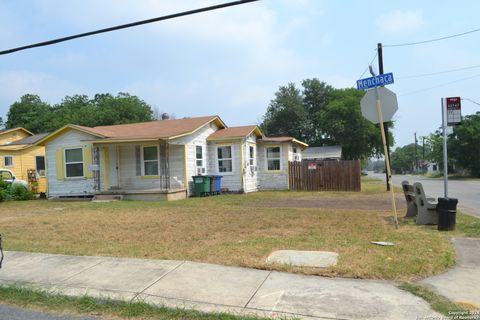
[4, 190]
[19, 192]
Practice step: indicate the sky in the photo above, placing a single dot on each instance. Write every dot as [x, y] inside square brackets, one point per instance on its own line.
[230, 62]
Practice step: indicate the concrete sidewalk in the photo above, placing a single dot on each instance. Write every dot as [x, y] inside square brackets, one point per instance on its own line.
[208, 287]
[462, 283]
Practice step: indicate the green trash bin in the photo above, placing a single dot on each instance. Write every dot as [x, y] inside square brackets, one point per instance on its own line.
[202, 185]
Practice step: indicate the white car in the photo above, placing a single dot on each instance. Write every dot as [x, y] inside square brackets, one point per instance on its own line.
[8, 176]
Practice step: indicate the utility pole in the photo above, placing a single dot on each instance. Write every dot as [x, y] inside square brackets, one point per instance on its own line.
[423, 154]
[416, 155]
[384, 124]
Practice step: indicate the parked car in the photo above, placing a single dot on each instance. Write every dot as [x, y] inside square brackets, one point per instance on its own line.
[8, 176]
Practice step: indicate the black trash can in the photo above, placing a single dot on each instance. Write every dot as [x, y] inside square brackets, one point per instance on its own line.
[447, 213]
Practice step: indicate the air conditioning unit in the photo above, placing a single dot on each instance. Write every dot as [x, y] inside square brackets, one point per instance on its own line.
[296, 157]
[200, 171]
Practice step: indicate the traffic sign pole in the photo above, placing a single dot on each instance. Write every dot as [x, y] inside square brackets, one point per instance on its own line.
[385, 125]
[387, 158]
[390, 100]
[445, 157]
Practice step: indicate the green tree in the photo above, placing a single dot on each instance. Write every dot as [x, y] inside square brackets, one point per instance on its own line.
[30, 113]
[322, 115]
[464, 144]
[104, 109]
[317, 96]
[403, 159]
[286, 115]
[2, 124]
[343, 124]
[124, 108]
[434, 145]
[76, 109]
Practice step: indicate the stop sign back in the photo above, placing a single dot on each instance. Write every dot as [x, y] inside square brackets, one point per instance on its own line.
[388, 100]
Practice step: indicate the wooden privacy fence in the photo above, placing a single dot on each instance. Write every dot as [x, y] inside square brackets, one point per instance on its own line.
[316, 175]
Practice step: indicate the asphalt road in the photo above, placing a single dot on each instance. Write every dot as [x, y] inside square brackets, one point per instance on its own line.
[466, 191]
[15, 313]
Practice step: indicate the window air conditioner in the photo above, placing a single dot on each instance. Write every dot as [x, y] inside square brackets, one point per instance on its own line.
[200, 170]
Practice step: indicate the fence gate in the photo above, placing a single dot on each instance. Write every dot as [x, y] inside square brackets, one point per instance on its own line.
[316, 175]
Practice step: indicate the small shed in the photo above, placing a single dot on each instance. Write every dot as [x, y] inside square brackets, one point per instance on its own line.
[322, 153]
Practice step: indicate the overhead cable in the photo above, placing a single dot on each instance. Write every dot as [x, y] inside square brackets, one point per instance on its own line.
[430, 40]
[437, 73]
[128, 25]
[439, 85]
[368, 66]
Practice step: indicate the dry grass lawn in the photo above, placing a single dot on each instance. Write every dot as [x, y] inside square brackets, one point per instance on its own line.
[239, 230]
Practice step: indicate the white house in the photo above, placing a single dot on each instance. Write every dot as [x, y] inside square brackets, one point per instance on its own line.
[156, 160]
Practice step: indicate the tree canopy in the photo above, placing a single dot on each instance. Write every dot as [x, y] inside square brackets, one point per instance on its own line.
[104, 109]
[464, 144]
[319, 114]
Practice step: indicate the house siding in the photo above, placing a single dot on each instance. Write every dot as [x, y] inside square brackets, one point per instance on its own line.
[199, 137]
[12, 136]
[273, 180]
[230, 180]
[24, 160]
[67, 187]
[250, 174]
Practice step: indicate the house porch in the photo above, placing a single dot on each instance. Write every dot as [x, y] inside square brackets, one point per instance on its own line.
[142, 170]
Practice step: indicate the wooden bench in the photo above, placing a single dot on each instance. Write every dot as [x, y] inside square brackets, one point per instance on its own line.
[419, 205]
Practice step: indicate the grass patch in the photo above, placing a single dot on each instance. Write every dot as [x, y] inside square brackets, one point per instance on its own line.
[437, 302]
[43, 300]
[238, 230]
[467, 225]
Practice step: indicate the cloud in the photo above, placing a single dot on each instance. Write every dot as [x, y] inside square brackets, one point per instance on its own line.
[400, 21]
[14, 84]
[253, 30]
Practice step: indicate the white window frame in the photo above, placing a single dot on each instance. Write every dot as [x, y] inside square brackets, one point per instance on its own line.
[5, 162]
[251, 155]
[279, 158]
[74, 162]
[41, 174]
[225, 159]
[202, 159]
[143, 160]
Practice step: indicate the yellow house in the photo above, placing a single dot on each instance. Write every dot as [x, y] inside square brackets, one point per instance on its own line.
[20, 154]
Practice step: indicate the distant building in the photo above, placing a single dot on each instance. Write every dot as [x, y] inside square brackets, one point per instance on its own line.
[322, 153]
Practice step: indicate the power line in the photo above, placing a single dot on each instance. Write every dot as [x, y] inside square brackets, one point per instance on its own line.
[366, 69]
[430, 40]
[437, 73]
[439, 86]
[124, 26]
[471, 101]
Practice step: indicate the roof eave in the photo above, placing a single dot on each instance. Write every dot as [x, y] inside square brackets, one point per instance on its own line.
[54, 134]
[216, 118]
[17, 128]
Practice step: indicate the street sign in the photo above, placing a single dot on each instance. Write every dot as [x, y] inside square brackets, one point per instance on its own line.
[377, 81]
[388, 100]
[454, 111]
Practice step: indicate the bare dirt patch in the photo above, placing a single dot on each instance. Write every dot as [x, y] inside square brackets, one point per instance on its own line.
[348, 201]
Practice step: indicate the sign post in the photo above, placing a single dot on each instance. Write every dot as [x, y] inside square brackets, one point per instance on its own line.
[451, 115]
[389, 98]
